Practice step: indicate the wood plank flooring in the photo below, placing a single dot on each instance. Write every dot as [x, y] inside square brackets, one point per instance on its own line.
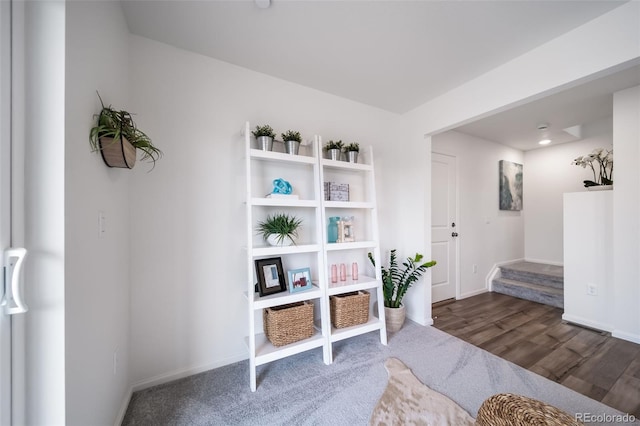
[534, 337]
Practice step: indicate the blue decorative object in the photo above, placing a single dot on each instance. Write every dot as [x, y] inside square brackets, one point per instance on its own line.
[332, 230]
[281, 186]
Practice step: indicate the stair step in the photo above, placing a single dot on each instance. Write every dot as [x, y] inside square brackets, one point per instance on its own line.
[534, 273]
[534, 292]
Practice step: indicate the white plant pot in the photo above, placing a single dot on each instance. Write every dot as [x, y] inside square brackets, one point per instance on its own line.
[276, 242]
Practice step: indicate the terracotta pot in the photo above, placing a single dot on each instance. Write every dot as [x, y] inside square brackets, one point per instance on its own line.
[394, 318]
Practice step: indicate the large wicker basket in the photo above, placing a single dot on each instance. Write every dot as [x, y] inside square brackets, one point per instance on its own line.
[349, 309]
[288, 323]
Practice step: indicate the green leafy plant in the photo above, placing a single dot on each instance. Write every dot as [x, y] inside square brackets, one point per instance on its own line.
[291, 135]
[281, 225]
[333, 145]
[112, 123]
[355, 147]
[395, 282]
[265, 130]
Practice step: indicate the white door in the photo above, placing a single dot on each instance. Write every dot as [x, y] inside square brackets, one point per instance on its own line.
[444, 227]
[5, 207]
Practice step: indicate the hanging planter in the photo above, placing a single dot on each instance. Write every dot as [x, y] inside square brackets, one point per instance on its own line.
[117, 138]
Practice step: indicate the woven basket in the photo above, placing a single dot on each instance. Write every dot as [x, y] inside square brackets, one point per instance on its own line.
[506, 409]
[117, 153]
[288, 323]
[349, 309]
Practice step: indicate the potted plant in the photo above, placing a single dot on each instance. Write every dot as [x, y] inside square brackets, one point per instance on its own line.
[604, 159]
[117, 138]
[396, 282]
[333, 148]
[292, 140]
[279, 229]
[264, 136]
[352, 151]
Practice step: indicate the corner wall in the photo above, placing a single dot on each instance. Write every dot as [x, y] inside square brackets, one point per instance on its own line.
[97, 268]
[548, 175]
[626, 214]
[488, 235]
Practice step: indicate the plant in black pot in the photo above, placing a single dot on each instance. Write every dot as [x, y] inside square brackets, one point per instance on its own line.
[396, 282]
[264, 136]
[279, 229]
[117, 138]
[292, 140]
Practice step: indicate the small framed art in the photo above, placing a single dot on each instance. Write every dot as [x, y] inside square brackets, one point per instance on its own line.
[299, 280]
[270, 276]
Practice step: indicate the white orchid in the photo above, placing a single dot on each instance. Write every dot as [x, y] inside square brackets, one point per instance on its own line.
[604, 157]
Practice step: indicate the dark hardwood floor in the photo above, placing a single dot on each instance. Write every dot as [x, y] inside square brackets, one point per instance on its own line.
[534, 336]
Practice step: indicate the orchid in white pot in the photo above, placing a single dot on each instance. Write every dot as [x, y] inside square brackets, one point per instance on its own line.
[603, 158]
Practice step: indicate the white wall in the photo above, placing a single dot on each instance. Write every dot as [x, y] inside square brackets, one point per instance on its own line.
[488, 235]
[96, 268]
[548, 175]
[588, 258]
[187, 234]
[44, 225]
[626, 214]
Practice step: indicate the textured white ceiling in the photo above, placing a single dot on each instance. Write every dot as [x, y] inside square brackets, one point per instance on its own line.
[394, 55]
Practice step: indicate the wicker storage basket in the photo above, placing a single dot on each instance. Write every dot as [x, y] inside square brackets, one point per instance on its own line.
[288, 323]
[349, 309]
[506, 409]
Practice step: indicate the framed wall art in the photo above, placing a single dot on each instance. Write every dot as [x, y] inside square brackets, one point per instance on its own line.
[510, 185]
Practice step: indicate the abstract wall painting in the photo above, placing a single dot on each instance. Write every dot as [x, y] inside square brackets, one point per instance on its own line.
[510, 185]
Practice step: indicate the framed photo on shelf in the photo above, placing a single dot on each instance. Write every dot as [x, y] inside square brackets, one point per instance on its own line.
[270, 276]
[299, 280]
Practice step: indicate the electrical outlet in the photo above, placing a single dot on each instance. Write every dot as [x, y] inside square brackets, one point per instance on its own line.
[475, 269]
[592, 290]
[101, 224]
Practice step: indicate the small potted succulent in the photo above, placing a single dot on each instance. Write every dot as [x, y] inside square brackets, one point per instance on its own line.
[118, 138]
[264, 136]
[279, 229]
[352, 150]
[292, 140]
[334, 148]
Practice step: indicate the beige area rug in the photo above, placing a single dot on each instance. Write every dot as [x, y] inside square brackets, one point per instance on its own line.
[406, 400]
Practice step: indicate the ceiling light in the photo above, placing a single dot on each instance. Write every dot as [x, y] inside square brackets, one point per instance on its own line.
[543, 129]
[545, 142]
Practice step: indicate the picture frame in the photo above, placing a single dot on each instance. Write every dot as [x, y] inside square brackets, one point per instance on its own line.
[270, 276]
[299, 280]
[510, 176]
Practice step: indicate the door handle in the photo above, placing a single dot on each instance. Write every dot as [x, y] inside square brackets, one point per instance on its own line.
[454, 234]
[12, 300]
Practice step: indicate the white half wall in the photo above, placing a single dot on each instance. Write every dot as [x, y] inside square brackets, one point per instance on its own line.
[626, 214]
[488, 235]
[549, 174]
[187, 231]
[96, 267]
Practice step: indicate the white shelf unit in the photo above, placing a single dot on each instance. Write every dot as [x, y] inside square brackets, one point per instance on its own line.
[362, 207]
[302, 171]
[307, 172]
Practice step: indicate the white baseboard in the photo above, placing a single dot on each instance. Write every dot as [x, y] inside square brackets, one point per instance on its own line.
[473, 293]
[123, 407]
[587, 322]
[631, 337]
[179, 374]
[547, 262]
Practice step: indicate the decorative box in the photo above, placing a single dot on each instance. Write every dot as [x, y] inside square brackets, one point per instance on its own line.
[336, 191]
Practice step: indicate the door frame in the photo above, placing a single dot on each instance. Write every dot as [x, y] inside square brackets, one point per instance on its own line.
[457, 214]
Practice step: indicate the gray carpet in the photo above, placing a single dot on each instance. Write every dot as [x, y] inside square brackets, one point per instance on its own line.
[303, 390]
